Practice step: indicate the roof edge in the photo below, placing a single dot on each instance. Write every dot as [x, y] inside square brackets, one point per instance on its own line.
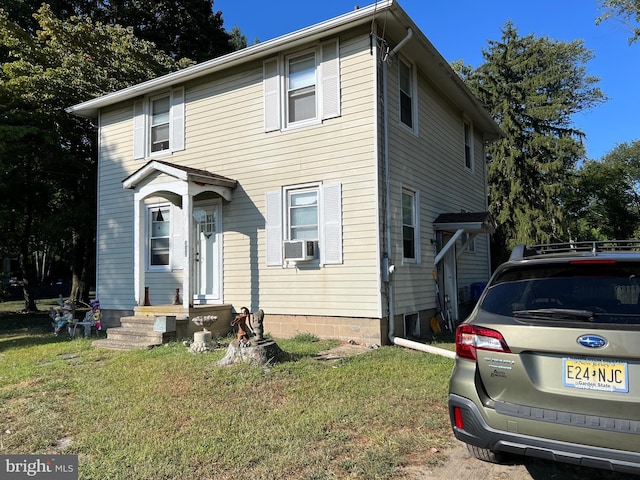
[90, 108]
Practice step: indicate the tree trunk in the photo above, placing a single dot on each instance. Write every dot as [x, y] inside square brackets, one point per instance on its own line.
[29, 279]
[28, 270]
[81, 269]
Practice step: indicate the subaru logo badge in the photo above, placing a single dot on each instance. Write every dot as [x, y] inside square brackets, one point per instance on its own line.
[592, 341]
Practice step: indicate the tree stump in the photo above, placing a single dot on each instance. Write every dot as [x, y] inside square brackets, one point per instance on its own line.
[259, 352]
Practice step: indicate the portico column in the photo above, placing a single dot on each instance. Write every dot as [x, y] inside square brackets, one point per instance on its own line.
[187, 272]
[138, 248]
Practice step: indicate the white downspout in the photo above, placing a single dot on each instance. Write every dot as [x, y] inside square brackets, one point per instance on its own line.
[387, 266]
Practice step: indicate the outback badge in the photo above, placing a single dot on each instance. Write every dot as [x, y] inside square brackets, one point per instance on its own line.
[592, 341]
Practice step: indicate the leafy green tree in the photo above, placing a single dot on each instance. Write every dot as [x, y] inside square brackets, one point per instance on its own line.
[532, 87]
[183, 29]
[604, 201]
[627, 11]
[47, 157]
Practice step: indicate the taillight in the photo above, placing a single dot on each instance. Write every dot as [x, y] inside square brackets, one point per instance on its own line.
[470, 338]
[457, 417]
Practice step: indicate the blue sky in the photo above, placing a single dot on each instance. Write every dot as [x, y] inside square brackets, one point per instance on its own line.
[461, 29]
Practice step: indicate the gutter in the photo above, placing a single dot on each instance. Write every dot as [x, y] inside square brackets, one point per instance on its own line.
[90, 108]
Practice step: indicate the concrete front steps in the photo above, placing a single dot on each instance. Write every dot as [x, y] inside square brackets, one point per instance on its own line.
[137, 331]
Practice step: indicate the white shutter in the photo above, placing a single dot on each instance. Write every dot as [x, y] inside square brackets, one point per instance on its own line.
[330, 80]
[177, 119]
[331, 240]
[273, 228]
[138, 129]
[271, 87]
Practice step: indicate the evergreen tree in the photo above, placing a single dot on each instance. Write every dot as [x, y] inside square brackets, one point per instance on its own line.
[238, 39]
[532, 87]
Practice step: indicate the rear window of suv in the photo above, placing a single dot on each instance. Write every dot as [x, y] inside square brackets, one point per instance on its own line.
[597, 291]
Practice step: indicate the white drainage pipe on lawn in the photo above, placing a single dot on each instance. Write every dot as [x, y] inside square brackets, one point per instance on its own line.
[403, 342]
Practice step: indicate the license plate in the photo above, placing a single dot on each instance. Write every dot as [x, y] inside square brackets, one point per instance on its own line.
[606, 376]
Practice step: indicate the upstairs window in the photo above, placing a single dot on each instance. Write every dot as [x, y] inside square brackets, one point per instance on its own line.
[468, 144]
[408, 95]
[406, 103]
[159, 119]
[158, 124]
[302, 88]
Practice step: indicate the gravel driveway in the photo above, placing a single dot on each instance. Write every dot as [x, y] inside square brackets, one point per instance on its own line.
[460, 465]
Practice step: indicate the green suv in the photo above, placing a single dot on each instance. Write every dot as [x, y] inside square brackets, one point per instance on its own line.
[548, 362]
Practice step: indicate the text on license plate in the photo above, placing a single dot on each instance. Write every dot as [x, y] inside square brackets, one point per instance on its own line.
[596, 375]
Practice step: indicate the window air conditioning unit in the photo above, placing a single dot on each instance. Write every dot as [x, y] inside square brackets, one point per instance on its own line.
[299, 250]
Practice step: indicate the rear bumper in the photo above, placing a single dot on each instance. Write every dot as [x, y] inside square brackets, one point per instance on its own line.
[477, 432]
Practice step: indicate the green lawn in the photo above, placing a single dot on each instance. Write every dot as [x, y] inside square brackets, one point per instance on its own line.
[169, 414]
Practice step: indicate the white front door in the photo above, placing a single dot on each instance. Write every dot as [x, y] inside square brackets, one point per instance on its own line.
[208, 254]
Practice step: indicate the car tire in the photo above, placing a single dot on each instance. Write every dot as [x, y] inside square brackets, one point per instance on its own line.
[485, 454]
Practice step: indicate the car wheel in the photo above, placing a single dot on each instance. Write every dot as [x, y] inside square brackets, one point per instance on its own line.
[485, 454]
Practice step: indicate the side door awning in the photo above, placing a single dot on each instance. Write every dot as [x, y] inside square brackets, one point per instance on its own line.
[472, 223]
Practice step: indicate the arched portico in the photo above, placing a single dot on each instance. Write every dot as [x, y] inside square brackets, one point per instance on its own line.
[181, 186]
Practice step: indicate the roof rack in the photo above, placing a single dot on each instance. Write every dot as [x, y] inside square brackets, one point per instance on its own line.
[594, 247]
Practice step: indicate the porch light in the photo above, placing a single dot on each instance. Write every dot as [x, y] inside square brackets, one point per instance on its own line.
[159, 217]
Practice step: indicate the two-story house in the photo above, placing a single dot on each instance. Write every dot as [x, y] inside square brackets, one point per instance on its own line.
[323, 176]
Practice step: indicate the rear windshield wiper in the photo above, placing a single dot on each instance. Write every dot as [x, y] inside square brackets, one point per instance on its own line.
[557, 313]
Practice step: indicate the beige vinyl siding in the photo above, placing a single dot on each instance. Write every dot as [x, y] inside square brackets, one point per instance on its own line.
[341, 149]
[115, 243]
[114, 259]
[433, 163]
[224, 135]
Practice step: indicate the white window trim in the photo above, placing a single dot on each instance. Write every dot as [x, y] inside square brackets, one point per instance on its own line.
[142, 124]
[471, 167]
[285, 104]
[329, 223]
[411, 316]
[414, 96]
[312, 187]
[470, 248]
[416, 232]
[150, 210]
[327, 87]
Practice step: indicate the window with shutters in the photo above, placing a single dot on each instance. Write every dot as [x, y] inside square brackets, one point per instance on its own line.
[158, 124]
[305, 212]
[302, 214]
[302, 88]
